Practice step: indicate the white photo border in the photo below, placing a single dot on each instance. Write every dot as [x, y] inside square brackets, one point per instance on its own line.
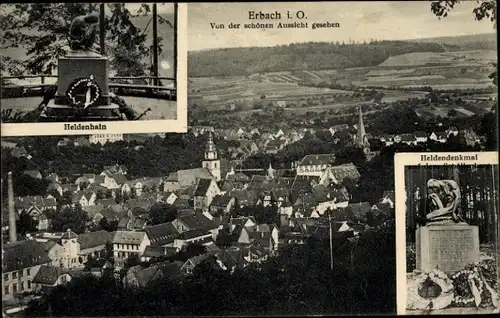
[401, 160]
[178, 125]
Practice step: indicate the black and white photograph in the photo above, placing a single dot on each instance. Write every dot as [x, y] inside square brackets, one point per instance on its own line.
[450, 208]
[75, 68]
[279, 198]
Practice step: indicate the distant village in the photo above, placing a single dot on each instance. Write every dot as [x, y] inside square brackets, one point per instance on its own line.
[210, 201]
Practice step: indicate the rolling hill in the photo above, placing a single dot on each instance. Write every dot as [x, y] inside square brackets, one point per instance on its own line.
[320, 56]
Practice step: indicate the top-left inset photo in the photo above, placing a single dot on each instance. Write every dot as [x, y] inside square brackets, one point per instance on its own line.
[80, 68]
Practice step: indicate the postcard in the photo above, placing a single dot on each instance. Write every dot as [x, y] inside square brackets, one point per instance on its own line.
[86, 70]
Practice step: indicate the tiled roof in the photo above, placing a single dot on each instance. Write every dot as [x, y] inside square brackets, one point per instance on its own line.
[94, 239]
[24, 254]
[128, 237]
[48, 275]
[161, 234]
[193, 234]
[359, 210]
[32, 173]
[407, 137]
[420, 134]
[389, 194]
[119, 178]
[239, 176]
[304, 183]
[202, 187]
[68, 235]
[245, 197]
[92, 210]
[188, 177]
[158, 251]
[221, 200]
[195, 221]
[320, 159]
[347, 170]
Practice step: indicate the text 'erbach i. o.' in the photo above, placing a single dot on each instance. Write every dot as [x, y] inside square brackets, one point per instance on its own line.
[276, 20]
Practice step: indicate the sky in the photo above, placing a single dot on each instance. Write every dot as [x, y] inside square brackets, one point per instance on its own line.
[359, 21]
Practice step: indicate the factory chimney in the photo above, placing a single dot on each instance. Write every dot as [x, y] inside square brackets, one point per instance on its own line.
[12, 210]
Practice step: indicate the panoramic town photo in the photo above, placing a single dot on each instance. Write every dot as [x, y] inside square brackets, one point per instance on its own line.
[280, 197]
[65, 62]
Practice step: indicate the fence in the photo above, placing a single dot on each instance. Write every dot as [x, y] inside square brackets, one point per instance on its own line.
[120, 84]
[479, 192]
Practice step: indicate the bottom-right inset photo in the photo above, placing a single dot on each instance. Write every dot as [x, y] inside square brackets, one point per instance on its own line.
[449, 262]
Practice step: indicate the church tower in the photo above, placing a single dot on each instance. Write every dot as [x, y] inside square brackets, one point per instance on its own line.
[361, 139]
[211, 162]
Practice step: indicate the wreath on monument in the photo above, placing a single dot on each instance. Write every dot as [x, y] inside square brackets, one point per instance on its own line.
[87, 87]
[422, 282]
[475, 285]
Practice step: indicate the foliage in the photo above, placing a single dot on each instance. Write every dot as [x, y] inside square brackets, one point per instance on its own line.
[26, 224]
[163, 213]
[74, 218]
[299, 281]
[298, 56]
[42, 28]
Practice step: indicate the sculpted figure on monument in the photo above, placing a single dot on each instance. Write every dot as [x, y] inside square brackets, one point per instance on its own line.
[82, 32]
[445, 199]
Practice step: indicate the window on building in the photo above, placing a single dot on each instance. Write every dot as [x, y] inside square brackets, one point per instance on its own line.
[6, 276]
[28, 271]
[63, 278]
[14, 275]
[22, 286]
[14, 288]
[29, 284]
[21, 273]
[6, 289]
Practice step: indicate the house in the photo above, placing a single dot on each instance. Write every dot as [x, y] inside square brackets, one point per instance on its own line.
[84, 181]
[107, 181]
[162, 235]
[336, 128]
[79, 198]
[53, 178]
[21, 262]
[117, 169]
[166, 197]
[241, 222]
[38, 215]
[315, 165]
[452, 131]
[439, 137]
[255, 253]
[230, 259]
[127, 243]
[245, 197]
[35, 174]
[222, 204]
[94, 244]
[205, 191]
[420, 137]
[71, 188]
[356, 212]
[98, 267]
[155, 252]
[189, 266]
[186, 178]
[196, 236]
[139, 276]
[49, 277]
[192, 221]
[388, 197]
[273, 146]
[339, 173]
[94, 212]
[408, 139]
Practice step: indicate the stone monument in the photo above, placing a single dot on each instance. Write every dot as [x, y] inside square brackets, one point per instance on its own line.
[83, 79]
[446, 242]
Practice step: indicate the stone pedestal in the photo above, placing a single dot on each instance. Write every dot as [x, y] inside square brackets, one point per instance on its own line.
[446, 247]
[82, 64]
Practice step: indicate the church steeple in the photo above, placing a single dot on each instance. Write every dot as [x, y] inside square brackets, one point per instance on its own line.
[210, 149]
[211, 162]
[361, 134]
[270, 172]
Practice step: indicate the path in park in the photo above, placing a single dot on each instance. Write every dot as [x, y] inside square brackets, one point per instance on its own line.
[160, 109]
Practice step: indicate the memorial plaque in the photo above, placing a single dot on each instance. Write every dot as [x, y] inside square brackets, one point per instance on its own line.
[82, 65]
[446, 247]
